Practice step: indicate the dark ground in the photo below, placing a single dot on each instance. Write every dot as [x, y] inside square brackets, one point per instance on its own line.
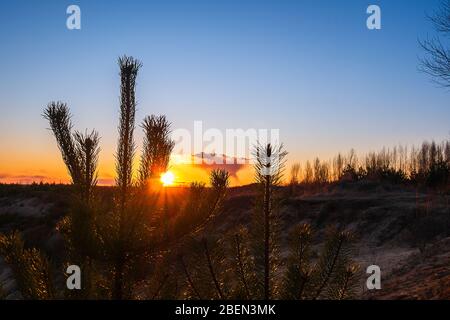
[403, 230]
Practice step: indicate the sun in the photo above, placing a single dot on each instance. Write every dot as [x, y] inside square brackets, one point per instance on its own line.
[167, 178]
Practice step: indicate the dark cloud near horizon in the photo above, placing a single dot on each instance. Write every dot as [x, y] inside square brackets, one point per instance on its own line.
[22, 178]
[212, 161]
[10, 176]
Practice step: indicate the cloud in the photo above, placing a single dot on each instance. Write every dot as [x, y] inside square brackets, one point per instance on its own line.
[106, 181]
[212, 161]
[27, 179]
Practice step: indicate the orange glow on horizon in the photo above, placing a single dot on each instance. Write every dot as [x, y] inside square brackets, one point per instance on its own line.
[28, 167]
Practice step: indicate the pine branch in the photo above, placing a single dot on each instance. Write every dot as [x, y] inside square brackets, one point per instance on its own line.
[211, 269]
[59, 117]
[240, 264]
[30, 267]
[269, 167]
[87, 147]
[348, 282]
[333, 260]
[156, 149]
[219, 180]
[189, 278]
[160, 286]
[298, 271]
[129, 68]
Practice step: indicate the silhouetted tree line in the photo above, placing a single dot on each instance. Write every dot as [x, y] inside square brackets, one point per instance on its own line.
[427, 165]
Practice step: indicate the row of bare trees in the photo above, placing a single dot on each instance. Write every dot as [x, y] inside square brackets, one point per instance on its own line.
[428, 164]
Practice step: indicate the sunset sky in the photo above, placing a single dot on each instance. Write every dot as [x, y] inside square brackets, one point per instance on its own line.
[309, 68]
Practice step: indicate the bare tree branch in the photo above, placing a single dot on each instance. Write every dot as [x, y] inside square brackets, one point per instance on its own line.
[436, 61]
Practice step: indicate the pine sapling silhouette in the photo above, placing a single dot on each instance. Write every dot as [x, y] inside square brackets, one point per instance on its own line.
[333, 273]
[80, 154]
[202, 205]
[206, 276]
[211, 268]
[298, 269]
[120, 223]
[129, 68]
[269, 167]
[333, 276]
[156, 150]
[87, 146]
[242, 266]
[97, 235]
[31, 268]
[246, 264]
[59, 117]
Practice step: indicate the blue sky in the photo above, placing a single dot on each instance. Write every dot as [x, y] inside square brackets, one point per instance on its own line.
[310, 68]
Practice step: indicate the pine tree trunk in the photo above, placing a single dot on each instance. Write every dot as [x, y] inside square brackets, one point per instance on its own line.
[267, 208]
[211, 270]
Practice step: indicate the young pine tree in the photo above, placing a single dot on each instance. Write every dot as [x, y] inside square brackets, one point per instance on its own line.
[269, 167]
[31, 268]
[332, 276]
[247, 264]
[80, 154]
